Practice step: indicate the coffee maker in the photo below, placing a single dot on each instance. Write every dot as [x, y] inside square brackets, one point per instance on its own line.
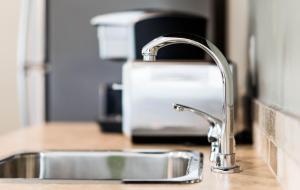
[121, 36]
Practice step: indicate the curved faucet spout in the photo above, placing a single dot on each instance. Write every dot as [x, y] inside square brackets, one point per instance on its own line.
[150, 50]
[227, 143]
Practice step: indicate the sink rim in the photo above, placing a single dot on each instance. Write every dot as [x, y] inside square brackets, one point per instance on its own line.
[193, 173]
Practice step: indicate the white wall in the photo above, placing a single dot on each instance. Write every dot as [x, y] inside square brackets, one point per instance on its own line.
[237, 46]
[9, 22]
[237, 35]
[275, 27]
[32, 57]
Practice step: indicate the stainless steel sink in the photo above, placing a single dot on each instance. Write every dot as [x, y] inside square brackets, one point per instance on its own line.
[123, 166]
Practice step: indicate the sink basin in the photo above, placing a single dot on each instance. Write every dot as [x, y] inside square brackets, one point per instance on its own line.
[124, 166]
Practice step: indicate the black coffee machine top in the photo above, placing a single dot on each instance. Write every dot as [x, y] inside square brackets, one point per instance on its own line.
[122, 35]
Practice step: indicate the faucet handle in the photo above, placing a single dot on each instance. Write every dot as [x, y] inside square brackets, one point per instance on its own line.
[213, 121]
[214, 131]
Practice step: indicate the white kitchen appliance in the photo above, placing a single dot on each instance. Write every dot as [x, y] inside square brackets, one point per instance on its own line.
[150, 89]
[121, 36]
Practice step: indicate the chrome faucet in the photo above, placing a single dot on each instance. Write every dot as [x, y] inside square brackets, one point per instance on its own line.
[220, 133]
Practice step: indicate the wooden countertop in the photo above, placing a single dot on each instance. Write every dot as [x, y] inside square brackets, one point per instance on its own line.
[87, 136]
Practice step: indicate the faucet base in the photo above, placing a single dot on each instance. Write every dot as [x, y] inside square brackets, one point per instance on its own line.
[235, 169]
[225, 163]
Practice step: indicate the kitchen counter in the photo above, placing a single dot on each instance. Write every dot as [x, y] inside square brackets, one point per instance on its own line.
[86, 136]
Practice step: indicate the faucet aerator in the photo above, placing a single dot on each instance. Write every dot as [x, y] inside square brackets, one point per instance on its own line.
[178, 108]
[149, 58]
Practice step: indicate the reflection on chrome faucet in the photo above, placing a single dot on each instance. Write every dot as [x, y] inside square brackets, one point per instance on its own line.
[221, 133]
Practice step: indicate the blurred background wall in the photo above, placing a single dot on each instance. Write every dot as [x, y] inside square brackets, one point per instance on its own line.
[274, 30]
[9, 23]
[76, 72]
[237, 37]
[237, 50]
